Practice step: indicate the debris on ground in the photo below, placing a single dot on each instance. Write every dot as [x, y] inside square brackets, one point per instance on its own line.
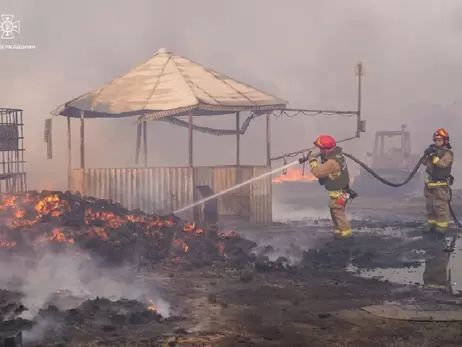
[221, 289]
[111, 232]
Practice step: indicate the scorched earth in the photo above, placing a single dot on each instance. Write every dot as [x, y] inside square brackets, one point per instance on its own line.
[85, 272]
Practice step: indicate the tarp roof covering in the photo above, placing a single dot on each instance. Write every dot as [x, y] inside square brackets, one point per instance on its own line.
[167, 85]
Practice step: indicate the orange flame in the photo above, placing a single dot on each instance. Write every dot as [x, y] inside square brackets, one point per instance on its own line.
[111, 220]
[20, 213]
[192, 227]
[7, 244]
[181, 243]
[231, 233]
[152, 221]
[189, 227]
[59, 236]
[294, 175]
[199, 231]
[101, 233]
[151, 306]
[51, 204]
[8, 201]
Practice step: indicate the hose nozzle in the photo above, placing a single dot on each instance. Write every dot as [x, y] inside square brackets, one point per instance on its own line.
[304, 158]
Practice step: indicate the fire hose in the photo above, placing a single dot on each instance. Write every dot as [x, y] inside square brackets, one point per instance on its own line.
[383, 180]
[396, 185]
[411, 175]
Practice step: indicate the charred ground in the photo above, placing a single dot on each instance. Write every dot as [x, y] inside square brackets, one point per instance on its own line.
[222, 289]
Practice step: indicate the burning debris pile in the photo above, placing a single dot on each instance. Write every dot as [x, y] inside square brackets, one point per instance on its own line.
[94, 317]
[109, 232]
[73, 250]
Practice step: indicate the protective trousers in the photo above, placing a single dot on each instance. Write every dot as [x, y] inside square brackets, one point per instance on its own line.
[437, 204]
[436, 263]
[339, 219]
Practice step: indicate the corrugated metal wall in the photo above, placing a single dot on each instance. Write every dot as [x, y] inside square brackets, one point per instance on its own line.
[163, 190]
[236, 202]
[153, 190]
[261, 201]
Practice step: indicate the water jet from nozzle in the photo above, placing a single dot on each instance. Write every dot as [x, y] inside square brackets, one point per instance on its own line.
[237, 186]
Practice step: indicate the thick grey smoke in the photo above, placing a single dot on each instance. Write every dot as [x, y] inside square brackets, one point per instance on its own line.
[304, 50]
[66, 279]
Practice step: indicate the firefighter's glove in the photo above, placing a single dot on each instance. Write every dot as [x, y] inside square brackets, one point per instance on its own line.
[430, 150]
[313, 161]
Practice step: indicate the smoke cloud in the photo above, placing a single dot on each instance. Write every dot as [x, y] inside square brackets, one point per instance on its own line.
[305, 52]
[68, 278]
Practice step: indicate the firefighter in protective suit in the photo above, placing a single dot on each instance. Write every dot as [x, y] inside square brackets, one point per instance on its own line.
[437, 191]
[332, 172]
[438, 195]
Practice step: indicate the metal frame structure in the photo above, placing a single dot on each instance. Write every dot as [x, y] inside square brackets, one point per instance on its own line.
[12, 163]
[360, 123]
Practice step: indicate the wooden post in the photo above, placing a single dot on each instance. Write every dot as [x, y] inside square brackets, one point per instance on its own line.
[82, 139]
[190, 139]
[359, 73]
[145, 143]
[238, 149]
[69, 154]
[195, 210]
[268, 163]
[268, 139]
[138, 143]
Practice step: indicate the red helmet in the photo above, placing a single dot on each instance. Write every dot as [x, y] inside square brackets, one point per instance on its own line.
[441, 132]
[325, 142]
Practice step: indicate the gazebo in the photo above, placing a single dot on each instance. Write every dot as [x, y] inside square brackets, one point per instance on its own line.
[163, 88]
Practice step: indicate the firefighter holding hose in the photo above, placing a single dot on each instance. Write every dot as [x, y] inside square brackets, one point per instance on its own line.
[333, 174]
[437, 185]
[437, 193]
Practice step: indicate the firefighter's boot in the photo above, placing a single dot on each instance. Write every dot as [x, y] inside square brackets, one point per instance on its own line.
[441, 226]
[343, 233]
[436, 287]
[431, 226]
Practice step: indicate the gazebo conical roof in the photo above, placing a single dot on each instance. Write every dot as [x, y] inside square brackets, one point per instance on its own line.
[167, 85]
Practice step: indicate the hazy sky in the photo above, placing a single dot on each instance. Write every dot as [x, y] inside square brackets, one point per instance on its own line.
[303, 50]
